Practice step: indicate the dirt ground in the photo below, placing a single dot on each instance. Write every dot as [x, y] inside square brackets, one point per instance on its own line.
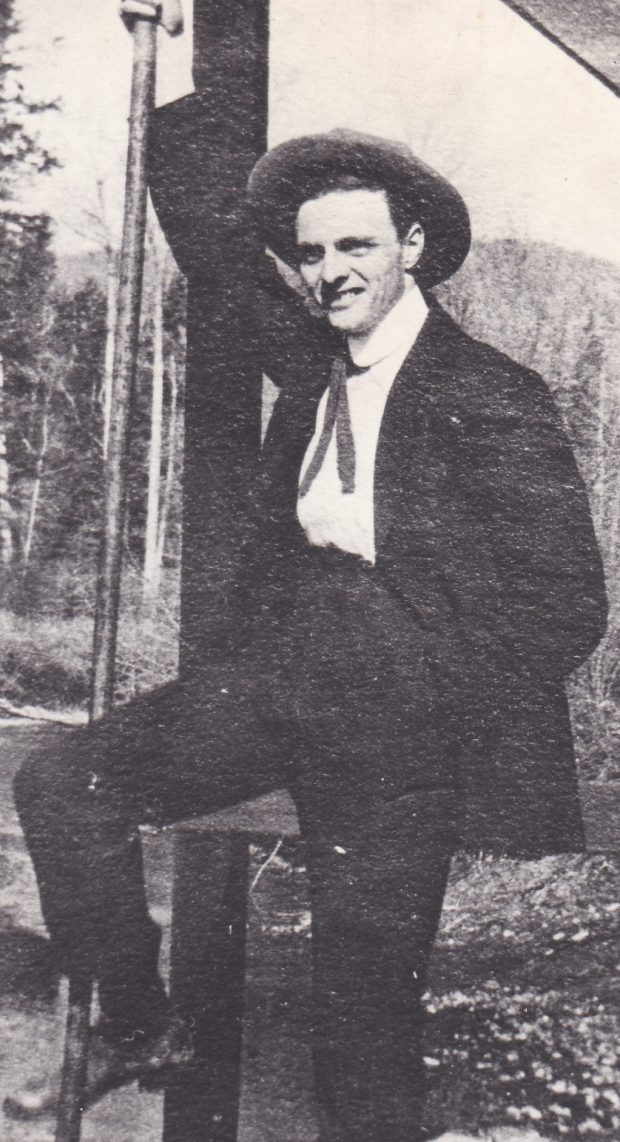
[523, 1028]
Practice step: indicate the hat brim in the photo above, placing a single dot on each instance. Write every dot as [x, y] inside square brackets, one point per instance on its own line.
[303, 168]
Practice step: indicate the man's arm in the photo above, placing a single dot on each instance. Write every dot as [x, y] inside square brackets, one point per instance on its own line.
[553, 603]
[496, 553]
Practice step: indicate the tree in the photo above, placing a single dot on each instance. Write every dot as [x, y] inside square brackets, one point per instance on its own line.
[26, 277]
[94, 221]
[166, 334]
[20, 155]
[6, 513]
[26, 268]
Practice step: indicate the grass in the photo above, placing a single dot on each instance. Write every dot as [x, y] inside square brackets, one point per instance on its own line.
[46, 661]
[523, 994]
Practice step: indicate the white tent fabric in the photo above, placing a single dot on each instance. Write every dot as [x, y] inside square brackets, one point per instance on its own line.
[589, 31]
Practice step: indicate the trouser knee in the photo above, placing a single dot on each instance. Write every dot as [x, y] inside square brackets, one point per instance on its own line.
[27, 789]
[44, 785]
[23, 787]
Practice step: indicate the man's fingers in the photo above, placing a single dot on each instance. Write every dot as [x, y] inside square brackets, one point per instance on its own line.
[147, 9]
[169, 13]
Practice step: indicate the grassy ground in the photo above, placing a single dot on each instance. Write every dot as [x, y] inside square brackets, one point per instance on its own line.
[523, 996]
[46, 661]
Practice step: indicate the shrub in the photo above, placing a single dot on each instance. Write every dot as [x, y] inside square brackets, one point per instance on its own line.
[47, 662]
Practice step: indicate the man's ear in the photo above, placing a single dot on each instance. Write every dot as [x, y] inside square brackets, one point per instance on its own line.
[413, 246]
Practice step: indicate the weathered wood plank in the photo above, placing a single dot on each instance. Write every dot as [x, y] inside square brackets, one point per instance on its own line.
[274, 815]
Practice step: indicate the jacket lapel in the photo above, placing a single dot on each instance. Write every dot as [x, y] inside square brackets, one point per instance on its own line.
[289, 433]
[405, 456]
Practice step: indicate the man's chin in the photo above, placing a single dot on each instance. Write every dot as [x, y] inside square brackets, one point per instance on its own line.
[344, 321]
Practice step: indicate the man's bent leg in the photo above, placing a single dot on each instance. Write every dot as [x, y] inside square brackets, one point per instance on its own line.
[377, 882]
[167, 755]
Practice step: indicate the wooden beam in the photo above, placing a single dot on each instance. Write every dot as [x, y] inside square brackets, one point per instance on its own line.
[202, 150]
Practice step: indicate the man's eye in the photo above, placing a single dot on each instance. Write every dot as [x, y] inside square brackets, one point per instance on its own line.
[357, 249]
[310, 257]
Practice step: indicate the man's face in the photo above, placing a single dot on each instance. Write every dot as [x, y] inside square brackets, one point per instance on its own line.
[351, 258]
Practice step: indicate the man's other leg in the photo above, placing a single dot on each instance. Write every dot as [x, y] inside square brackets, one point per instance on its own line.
[378, 877]
[376, 781]
[173, 753]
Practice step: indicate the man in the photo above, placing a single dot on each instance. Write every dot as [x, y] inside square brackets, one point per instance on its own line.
[419, 576]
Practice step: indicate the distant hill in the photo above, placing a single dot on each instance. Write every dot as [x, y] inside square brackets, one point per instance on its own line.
[540, 304]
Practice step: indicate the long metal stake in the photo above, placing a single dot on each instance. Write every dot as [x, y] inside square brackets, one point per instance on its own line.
[125, 356]
[144, 32]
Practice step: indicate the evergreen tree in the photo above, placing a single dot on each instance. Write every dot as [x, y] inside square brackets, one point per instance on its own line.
[20, 154]
[26, 275]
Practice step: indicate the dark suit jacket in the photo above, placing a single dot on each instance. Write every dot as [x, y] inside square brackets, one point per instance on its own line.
[483, 530]
[484, 534]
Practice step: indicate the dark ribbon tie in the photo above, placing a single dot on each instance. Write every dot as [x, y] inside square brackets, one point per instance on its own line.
[337, 413]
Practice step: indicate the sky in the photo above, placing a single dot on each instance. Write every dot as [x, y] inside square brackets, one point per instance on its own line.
[530, 139]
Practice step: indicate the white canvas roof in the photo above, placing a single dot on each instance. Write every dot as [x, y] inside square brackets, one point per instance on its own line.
[589, 30]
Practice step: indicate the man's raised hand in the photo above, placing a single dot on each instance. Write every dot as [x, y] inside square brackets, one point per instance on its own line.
[169, 13]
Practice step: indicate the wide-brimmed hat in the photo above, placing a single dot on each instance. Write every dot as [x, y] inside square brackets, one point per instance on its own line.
[305, 167]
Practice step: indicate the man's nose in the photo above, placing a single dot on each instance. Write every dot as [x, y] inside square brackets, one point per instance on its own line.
[335, 266]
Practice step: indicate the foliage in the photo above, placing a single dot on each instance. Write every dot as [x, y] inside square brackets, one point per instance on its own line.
[55, 427]
[147, 641]
[173, 352]
[26, 273]
[45, 660]
[54, 423]
[20, 154]
[26, 262]
[26, 270]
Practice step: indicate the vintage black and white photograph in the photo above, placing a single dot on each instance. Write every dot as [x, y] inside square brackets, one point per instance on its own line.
[309, 570]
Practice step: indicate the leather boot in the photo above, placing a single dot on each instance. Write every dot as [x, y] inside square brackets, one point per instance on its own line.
[112, 1063]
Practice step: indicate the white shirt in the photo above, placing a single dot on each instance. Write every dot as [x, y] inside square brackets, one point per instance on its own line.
[327, 515]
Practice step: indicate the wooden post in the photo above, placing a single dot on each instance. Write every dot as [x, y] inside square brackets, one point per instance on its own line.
[75, 1061]
[202, 150]
[207, 983]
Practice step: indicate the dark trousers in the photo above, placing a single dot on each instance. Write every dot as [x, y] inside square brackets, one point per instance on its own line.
[340, 710]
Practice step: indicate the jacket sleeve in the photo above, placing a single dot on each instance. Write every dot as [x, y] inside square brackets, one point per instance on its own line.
[545, 606]
[491, 547]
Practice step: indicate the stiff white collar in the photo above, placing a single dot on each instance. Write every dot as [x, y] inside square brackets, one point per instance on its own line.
[400, 327]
